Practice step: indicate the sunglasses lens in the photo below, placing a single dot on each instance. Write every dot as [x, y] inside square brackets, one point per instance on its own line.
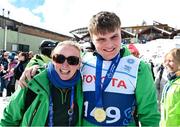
[73, 60]
[59, 58]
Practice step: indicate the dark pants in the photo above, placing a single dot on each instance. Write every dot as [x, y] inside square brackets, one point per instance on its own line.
[11, 86]
[3, 84]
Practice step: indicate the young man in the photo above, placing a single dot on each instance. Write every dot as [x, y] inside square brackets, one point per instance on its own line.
[115, 83]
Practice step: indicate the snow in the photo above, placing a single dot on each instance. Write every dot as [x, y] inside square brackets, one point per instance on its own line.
[3, 102]
[155, 50]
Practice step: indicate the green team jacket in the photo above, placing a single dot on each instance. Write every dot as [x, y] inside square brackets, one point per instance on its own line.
[146, 97]
[170, 104]
[36, 114]
[40, 60]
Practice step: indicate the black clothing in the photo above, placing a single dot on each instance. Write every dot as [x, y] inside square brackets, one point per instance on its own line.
[3, 62]
[19, 69]
[61, 104]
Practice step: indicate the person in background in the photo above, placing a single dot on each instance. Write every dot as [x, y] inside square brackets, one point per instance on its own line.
[45, 49]
[3, 70]
[39, 61]
[152, 68]
[56, 94]
[160, 80]
[30, 54]
[170, 102]
[9, 76]
[23, 59]
[134, 51]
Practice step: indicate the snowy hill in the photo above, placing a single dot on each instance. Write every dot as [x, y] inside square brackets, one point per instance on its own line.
[156, 49]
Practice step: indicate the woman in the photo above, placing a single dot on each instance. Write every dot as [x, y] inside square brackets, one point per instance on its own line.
[170, 103]
[56, 92]
[9, 76]
[23, 59]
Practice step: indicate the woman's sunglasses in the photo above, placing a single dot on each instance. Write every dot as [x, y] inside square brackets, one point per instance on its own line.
[71, 60]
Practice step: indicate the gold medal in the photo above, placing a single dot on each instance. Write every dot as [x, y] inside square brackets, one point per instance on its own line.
[99, 114]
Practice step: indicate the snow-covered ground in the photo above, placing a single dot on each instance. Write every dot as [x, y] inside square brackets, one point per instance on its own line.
[156, 49]
[3, 102]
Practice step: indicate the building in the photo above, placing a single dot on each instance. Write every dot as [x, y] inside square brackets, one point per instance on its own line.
[146, 33]
[134, 34]
[16, 36]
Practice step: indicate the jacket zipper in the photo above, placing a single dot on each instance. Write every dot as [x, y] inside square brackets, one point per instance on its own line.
[34, 113]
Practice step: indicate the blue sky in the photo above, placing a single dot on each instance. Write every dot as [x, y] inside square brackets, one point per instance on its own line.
[62, 16]
[30, 4]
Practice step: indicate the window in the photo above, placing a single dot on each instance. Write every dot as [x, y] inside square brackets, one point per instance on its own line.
[20, 47]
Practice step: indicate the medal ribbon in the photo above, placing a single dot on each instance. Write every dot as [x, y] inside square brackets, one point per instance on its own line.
[71, 111]
[99, 86]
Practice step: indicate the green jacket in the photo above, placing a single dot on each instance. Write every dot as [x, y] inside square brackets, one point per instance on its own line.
[170, 104]
[146, 97]
[40, 60]
[36, 114]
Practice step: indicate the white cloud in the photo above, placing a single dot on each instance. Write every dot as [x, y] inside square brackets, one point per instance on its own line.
[23, 15]
[62, 16]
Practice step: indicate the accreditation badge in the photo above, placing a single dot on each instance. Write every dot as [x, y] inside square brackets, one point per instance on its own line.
[99, 114]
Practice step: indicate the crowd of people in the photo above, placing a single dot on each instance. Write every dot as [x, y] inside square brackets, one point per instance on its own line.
[110, 86]
[12, 65]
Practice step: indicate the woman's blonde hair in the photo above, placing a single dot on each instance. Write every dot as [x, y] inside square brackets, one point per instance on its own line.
[175, 53]
[68, 42]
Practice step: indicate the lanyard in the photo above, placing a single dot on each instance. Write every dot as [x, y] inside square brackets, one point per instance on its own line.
[165, 90]
[50, 112]
[70, 111]
[99, 86]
